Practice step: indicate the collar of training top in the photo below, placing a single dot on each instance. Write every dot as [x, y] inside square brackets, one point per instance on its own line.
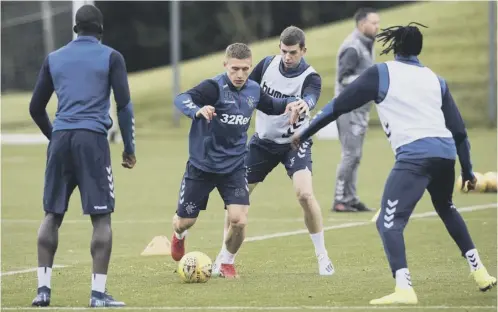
[87, 38]
[412, 59]
[293, 72]
[230, 84]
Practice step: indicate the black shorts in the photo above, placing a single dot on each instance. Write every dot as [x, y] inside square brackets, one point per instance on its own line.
[79, 158]
[197, 185]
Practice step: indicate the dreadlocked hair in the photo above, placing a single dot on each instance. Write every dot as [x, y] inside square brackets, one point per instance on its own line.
[404, 40]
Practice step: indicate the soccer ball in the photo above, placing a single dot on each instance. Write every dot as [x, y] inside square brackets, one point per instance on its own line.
[480, 184]
[491, 180]
[195, 267]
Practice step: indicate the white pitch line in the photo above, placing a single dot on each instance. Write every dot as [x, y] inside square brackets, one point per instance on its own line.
[249, 308]
[325, 228]
[153, 221]
[354, 224]
[29, 270]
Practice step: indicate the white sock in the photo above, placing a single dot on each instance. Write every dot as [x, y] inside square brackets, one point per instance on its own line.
[473, 260]
[319, 243]
[403, 278]
[225, 233]
[44, 276]
[98, 282]
[227, 257]
[181, 235]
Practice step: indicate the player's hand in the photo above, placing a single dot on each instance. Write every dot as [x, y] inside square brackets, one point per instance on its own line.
[207, 112]
[295, 141]
[469, 180]
[302, 107]
[129, 160]
[296, 109]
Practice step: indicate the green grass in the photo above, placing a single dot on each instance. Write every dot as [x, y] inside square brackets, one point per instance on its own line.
[274, 272]
[455, 46]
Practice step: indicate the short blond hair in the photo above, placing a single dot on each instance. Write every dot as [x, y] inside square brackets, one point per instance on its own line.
[238, 50]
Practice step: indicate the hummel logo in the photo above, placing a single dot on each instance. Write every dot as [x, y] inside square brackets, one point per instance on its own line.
[389, 216]
[387, 130]
[408, 278]
[302, 150]
[473, 261]
[182, 192]
[294, 127]
[111, 182]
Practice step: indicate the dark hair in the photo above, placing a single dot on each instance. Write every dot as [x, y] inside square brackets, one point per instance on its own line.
[293, 35]
[362, 13]
[239, 51]
[89, 20]
[404, 40]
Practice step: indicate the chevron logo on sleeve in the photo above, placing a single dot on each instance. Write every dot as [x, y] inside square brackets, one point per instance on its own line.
[389, 215]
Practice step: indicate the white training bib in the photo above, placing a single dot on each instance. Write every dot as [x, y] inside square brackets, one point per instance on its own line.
[277, 128]
[411, 109]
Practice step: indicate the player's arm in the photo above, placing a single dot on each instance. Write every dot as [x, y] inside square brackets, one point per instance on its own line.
[258, 71]
[312, 87]
[121, 90]
[204, 94]
[359, 92]
[455, 123]
[348, 61]
[273, 106]
[41, 96]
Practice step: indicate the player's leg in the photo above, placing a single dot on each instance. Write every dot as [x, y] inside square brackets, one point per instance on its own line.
[345, 166]
[351, 136]
[234, 190]
[299, 167]
[441, 191]
[259, 162]
[192, 198]
[92, 158]
[404, 188]
[59, 185]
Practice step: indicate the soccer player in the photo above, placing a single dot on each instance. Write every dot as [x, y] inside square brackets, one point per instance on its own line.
[282, 76]
[426, 132]
[221, 110]
[81, 74]
[355, 55]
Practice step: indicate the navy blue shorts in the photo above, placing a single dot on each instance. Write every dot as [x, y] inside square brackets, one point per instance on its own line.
[197, 185]
[79, 158]
[263, 157]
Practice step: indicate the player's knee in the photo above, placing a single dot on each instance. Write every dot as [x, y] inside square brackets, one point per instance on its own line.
[351, 158]
[47, 239]
[102, 231]
[356, 157]
[384, 225]
[304, 196]
[182, 224]
[47, 234]
[443, 208]
[238, 221]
